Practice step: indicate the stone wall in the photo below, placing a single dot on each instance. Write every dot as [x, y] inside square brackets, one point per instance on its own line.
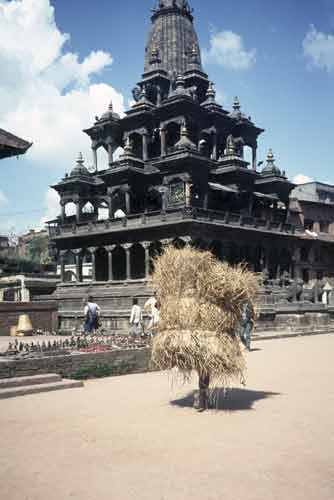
[75, 365]
[44, 315]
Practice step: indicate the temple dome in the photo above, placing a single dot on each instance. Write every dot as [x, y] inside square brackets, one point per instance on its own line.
[271, 169]
[79, 169]
[173, 40]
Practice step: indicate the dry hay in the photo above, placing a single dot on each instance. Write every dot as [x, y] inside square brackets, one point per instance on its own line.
[201, 306]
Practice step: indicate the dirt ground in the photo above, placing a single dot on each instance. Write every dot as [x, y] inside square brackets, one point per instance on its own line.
[135, 437]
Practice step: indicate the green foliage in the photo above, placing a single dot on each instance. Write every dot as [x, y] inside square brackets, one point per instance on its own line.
[37, 250]
[100, 370]
[18, 265]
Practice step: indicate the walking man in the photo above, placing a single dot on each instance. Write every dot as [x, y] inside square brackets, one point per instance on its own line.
[92, 313]
[136, 318]
[247, 325]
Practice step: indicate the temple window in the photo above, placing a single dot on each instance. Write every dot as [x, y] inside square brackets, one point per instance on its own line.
[176, 193]
[137, 145]
[70, 209]
[103, 211]
[173, 134]
[324, 226]
[153, 200]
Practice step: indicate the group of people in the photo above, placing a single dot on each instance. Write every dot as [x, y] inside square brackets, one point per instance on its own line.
[152, 309]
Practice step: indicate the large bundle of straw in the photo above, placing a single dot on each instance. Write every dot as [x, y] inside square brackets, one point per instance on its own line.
[201, 306]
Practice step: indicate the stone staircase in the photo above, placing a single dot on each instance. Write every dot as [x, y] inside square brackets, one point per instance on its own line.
[22, 386]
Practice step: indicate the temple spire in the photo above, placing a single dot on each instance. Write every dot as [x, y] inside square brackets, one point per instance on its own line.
[173, 39]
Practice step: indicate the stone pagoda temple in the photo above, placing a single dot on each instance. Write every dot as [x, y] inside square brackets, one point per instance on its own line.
[182, 178]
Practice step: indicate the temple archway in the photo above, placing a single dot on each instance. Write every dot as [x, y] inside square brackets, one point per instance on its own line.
[101, 264]
[119, 264]
[155, 250]
[137, 145]
[137, 259]
[70, 209]
[173, 134]
[153, 201]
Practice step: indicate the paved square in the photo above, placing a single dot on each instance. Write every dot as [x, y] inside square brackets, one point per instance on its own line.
[122, 438]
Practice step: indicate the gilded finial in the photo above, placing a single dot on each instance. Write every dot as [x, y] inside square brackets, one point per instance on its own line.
[270, 156]
[236, 104]
[211, 93]
[80, 159]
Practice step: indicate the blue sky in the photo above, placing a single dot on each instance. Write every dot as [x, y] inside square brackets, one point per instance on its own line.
[278, 57]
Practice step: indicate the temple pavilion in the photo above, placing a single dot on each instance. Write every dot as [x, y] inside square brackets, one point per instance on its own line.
[182, 178]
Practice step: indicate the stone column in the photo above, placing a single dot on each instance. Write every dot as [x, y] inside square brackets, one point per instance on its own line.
[93, 254]
[188, 194]
[63, 211]
[110, 250]
[163, 140]
[110, 207]
[214, 148]
[164, 198]
[127, 201]
[62, 266]
[145, 146]
[78, 265]
[110, 155]
[146, 245]
[127, 248]
[95, 158]
[254, 154]
[77, 211]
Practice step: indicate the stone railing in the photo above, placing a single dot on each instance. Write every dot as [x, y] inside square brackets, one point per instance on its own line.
[133, 221]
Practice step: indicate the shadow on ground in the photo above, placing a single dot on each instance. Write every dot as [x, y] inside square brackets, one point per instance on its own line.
[230, 400]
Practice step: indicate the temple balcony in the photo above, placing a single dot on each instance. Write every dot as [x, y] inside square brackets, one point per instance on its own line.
[69, 228]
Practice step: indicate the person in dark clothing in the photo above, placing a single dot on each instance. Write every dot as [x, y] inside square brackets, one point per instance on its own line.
[92, 312]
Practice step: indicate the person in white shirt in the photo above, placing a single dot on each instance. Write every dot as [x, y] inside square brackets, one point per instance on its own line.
[92, 313]
[136, 318]
[151, 307]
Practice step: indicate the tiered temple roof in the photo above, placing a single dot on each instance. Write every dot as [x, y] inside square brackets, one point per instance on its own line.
[11, 145]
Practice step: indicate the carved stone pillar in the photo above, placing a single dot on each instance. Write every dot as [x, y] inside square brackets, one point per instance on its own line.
[110, 250]
[62, 266]
[254, 157]
[110, 155]
[145, 146]
[110, 207]
[163, 140]
[127, 248]
[164, 198]
[77, 211]
[146, 245]
[63, 212]
[127, 201]
[78, 265]
[214, 148]
[93, 254]
[95, 158]
[188, 194]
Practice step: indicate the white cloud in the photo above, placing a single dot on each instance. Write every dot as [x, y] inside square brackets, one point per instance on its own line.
[227, 50]
[52, 206]
[3, 199]
[301, 179]
[319, 49]
[46, 92]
